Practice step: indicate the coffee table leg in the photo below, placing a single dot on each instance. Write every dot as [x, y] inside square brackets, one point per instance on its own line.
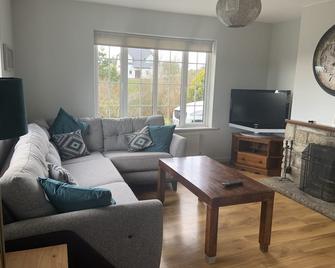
[161, 185]
[211, 233]
[265, 225]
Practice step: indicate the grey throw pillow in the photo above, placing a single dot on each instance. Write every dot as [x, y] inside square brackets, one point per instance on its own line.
[138, 141]
[60, 174]
[70, 145]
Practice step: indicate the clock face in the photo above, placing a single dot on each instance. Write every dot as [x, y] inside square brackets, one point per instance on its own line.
[324, 61]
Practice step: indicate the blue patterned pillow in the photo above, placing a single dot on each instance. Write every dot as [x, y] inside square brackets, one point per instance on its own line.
[138, 141]
[70, 145]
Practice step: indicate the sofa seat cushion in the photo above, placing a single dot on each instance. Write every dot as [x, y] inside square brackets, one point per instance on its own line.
[90, 157]
[135, 161]
[121, 192]
[94, 173]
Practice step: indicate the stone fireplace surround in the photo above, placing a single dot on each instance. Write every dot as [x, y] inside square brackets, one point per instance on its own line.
[303, 134]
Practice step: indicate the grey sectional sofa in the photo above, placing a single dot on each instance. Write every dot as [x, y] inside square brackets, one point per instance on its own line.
[128, 234]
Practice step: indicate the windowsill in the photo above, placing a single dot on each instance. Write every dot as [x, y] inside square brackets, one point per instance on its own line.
[195, 129]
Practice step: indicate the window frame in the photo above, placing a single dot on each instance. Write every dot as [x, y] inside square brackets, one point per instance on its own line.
[208, 92]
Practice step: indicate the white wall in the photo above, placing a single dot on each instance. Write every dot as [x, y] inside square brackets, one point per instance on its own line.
[5, 31]
[55, 56]
[283, 55]
[310, 102]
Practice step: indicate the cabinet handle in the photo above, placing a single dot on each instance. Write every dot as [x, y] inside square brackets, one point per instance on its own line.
[261, 162]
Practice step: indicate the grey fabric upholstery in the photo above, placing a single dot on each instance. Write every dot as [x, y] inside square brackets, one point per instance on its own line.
[144, 177]
[94, 173]
[93, 137]
[121, 193]
[90, 157]
[53, 155]
[115, 130]
[127, 236]
[20, 189]
[135, 161]
[178, 146]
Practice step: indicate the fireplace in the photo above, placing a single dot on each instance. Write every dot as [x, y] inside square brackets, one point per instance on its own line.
[318, 172]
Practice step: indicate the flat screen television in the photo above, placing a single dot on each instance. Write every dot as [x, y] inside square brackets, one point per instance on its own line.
[260, 111]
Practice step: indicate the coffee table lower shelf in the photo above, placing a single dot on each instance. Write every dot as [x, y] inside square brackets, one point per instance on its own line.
[254, 192]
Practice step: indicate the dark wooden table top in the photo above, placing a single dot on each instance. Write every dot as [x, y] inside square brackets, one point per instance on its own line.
[203, 176]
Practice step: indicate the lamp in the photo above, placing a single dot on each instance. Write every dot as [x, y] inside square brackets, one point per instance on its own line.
[13, 123]
[238, 13]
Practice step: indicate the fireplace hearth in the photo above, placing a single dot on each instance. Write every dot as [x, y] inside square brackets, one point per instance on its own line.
[318, 172]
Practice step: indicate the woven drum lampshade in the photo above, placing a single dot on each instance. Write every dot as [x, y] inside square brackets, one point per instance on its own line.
[238, 13]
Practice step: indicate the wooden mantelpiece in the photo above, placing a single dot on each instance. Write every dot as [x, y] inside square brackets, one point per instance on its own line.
[311, 125]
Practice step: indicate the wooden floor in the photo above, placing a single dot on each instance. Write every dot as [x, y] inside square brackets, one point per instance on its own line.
[300, 236]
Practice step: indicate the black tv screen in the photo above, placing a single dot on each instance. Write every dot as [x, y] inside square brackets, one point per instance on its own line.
[260, 109]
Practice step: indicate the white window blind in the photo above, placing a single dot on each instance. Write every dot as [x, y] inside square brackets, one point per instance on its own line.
[152, 42]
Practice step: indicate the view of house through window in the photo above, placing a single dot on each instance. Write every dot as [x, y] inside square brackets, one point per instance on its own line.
[153, 81]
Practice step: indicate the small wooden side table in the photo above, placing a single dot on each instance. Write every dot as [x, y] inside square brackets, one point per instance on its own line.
[47, 257]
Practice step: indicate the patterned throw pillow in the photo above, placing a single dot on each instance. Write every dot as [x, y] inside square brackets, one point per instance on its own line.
[138, 141]
[70, 145]
[60, 174]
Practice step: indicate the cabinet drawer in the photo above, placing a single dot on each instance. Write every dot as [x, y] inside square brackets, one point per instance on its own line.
[252, 160]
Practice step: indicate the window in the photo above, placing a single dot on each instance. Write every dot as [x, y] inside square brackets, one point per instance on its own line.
[142, 75]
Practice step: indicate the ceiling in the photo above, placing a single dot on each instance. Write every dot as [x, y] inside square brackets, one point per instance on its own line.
[273, 10]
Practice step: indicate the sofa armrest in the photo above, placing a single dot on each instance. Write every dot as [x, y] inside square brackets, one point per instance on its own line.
[126, 235]
[178, 146]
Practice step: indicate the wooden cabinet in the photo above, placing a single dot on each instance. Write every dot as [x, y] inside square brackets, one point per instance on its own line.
[258, 154]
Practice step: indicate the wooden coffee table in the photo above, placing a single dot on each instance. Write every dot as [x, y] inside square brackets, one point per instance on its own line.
[203, 177]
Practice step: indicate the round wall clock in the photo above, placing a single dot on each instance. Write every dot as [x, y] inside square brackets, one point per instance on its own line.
[324, 62]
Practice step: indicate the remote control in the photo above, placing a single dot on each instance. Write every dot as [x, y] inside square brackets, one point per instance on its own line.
[231, 183]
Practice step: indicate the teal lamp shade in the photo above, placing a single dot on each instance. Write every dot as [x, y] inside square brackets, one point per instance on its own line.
[13, 122]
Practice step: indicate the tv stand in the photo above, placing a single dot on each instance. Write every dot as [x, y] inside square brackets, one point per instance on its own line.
[257, 153]
[259, 135]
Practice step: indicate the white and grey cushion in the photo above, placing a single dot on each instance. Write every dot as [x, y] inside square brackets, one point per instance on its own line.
[53, 156]
[70, 145]
[138, 141]
[60, 174]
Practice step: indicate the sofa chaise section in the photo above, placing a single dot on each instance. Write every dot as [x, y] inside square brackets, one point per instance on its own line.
[128, 234]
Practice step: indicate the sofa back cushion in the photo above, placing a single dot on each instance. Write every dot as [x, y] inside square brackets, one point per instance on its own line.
[93, 136]
[21, 192]
[115, 130]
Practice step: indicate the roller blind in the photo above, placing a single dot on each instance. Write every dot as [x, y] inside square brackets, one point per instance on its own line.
[151, 42]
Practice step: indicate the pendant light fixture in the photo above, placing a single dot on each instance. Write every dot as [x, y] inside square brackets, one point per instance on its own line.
[238, 13]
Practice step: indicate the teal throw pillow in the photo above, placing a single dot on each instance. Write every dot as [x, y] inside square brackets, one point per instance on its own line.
[65, 123]
[68, 197]
[161, 137]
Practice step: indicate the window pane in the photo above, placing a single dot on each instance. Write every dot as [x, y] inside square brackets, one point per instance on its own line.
[140, 75]
[169, 85]
[109, 81]
[196, 88]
